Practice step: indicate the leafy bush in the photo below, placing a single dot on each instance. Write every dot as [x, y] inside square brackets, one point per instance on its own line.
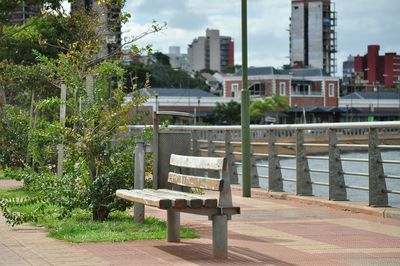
[14, 137]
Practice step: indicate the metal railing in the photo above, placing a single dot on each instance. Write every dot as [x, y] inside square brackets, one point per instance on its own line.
[302, 144]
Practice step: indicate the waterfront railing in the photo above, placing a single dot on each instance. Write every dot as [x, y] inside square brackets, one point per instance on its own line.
[273, 146]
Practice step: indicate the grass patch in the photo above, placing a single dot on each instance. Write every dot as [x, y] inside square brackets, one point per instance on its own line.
[2, 175]
[13, 193]
[79, 228]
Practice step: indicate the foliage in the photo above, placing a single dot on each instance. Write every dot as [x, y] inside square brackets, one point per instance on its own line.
[227, 114]
[276, 103]
[14, 137]
[161, 76]
[161, 58]
[95, 162]
[79, 228]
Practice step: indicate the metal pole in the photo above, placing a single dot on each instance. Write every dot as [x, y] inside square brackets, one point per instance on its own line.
[245, 108]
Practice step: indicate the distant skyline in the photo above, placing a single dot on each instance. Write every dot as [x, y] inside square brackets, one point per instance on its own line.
[360, 23]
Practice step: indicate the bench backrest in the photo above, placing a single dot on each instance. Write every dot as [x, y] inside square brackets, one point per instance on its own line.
[221, 184]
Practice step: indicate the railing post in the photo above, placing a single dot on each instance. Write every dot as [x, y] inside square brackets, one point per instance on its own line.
[211, 137]
[138, 209]
[303, 179]
[378, 196]
[195, 143]
[275, 182]
[230, 159]
[156, 145]
[337, 185]
[255, 181]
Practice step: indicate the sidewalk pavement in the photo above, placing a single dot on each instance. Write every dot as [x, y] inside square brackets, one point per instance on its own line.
[269, 231]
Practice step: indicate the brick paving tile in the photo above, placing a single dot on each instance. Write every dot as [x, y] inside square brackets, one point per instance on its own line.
[268, 232]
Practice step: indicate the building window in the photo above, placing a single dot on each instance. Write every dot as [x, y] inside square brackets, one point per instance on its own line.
[282, 88]
[235, 90]
[331, 90]
[257, 89]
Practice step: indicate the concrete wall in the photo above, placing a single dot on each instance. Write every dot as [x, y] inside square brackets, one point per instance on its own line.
[214, 49]
[197, 54]
[297, 34]
[315, 48]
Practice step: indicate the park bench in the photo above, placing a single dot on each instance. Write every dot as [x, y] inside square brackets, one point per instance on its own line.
[219, 208]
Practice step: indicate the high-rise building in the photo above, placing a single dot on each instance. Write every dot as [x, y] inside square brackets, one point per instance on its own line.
[211, 51]
[24, 12]
[313, 41]
[109, 27]
[348, 70]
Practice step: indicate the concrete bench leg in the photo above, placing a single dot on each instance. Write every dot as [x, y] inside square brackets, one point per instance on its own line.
[220, 236]
[173, 226]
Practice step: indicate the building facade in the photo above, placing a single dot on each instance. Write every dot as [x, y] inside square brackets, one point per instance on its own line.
[378, 70]
[313, 41]
[302, 87]
[22, 14]
[212, 51]
[109, 28]
[177, 60]
[348, 70]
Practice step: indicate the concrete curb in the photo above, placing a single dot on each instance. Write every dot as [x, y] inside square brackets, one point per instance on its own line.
[356, 207]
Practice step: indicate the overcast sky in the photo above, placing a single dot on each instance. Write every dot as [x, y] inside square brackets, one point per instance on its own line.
[360, 22]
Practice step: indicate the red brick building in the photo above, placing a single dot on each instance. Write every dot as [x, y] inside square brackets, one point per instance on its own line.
[303, 87]
[378, 69]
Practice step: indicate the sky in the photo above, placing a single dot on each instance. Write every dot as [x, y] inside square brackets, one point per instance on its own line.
[360, 23]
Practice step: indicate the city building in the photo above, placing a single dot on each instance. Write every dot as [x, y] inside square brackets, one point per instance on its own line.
[313, 41]
[110, 26]
[22, 14]
[178, 60]
[378, 70]
[348, 70]
[370, 106]
[212, 51]
[308, 90]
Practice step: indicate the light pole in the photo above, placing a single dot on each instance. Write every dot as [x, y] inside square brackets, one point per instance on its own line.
[245, 117]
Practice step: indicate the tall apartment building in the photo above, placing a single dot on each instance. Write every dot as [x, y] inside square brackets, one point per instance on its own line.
[24, 12]
[378, 69]
[313, 41]
[110, 26]
[211, 51]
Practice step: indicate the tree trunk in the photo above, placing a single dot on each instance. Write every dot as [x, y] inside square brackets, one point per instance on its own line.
[100, 213]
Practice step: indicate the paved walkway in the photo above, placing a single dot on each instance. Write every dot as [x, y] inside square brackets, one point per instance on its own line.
[269, 231]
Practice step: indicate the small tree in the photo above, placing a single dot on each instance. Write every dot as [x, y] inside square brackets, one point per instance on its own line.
[227, 114]
[96, 162]
[276, 103]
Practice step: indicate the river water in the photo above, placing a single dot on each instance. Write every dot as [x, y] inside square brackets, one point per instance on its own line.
[359, 167]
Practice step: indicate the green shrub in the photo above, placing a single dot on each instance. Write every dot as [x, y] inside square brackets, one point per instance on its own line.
[14, 137]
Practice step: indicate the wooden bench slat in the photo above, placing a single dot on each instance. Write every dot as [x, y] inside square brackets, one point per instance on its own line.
[205, 163]
[196, 181]
[176, 202]
[189, 201]
[143, 198]
[207, 202]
